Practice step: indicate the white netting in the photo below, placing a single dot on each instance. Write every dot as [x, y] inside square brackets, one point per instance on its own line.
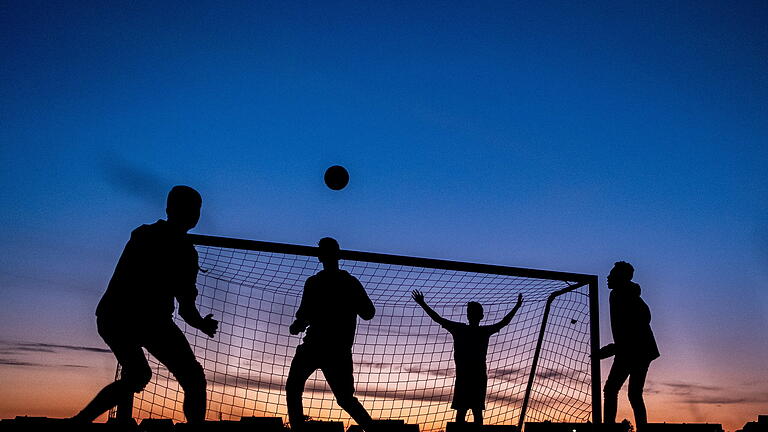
[403, 360]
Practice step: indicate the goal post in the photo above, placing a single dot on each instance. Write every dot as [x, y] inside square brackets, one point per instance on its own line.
[541, 367]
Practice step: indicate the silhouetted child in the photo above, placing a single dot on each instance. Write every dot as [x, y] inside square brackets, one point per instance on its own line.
[331, 302]
[158, 265]
[470, 348]
[634, 344]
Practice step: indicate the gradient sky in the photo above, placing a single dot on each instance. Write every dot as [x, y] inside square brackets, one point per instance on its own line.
[558, 135]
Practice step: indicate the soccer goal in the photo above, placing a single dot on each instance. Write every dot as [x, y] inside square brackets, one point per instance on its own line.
[539, 367]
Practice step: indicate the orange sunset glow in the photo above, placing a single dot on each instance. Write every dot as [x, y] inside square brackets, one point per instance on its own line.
[523, 197]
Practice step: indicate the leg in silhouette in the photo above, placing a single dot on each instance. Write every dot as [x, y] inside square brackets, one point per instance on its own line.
[169, 345]
[107, 398]
[634, 343]
[477, 413]
[339, 374]
[616, 377]
[461, 415]
[635, 393]
[136, 309]
[302, 367]
[134, 376]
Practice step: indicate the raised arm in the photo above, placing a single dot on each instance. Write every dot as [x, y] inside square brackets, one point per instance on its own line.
[508, 317]
[418, 296]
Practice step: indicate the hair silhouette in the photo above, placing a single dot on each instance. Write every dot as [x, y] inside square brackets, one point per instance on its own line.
[158, 265]
[330, 304]
[470, 348]
[634, 345]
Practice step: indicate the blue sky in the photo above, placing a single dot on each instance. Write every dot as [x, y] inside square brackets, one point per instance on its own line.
[561, 136]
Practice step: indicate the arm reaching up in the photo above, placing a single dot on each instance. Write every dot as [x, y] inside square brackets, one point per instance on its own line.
[508, 317]
[418, 296]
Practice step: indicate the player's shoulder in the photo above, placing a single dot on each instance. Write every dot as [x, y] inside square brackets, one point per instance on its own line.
[313, 280]
[144, 232]
[351, 280]
[142, 229]
[159, 233]
[333, 274]
[620, 295]
[454, 325]
[154, 228]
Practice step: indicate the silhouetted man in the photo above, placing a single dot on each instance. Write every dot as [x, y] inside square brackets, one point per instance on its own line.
[158, 265]
[330, 305]
[470, 348]
[634, 345]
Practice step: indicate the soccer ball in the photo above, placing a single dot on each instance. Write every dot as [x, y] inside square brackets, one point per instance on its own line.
[336, 177]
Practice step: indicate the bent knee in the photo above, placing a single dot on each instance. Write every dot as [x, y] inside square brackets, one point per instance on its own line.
[136, 380]
[294, 385]
[193, 376]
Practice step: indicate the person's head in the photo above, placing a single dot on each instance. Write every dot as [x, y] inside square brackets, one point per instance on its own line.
[621, 273]
[474, 312]
[328, 252]
[183, 207]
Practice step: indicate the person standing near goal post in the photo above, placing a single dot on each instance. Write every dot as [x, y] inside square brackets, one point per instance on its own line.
[470, 349]
[331, 302]
[158, 265]
[634, 345]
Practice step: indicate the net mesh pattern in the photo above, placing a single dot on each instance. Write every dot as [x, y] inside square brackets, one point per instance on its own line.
[403, 361]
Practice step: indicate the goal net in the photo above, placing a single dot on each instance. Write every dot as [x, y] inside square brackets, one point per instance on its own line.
[403, 361]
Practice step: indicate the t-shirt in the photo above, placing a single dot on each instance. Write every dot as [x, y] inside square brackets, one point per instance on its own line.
[470, 346]
[330, 304]
[157, 265]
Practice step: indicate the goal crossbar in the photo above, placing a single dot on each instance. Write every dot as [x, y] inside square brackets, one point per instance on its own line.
[263, 246]
[570, 281]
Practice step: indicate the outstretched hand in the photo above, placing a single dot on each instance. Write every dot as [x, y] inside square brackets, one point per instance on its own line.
[297, 327]
[418, 296]
[606, 351]
[209, 325]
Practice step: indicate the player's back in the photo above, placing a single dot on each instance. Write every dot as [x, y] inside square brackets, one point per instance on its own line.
[332, 301]
[470, 346]
[631, 324]
[156, 265]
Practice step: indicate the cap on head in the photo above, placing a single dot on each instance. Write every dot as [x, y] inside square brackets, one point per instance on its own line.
[474, 312]
[183, 206]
